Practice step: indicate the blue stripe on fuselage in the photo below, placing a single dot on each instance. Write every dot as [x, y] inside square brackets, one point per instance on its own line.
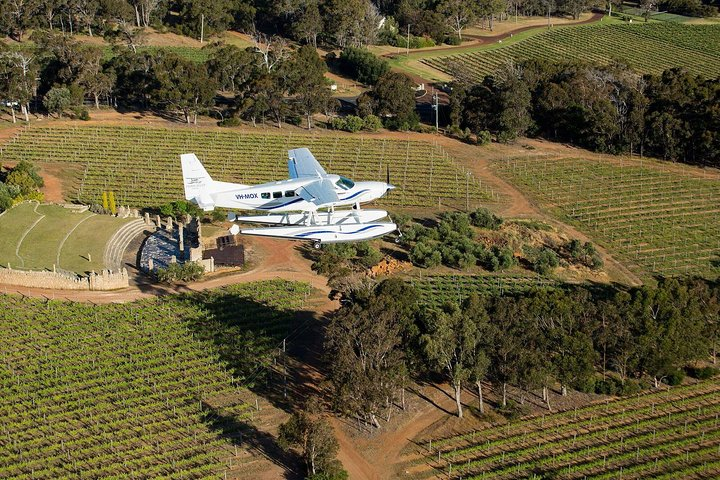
[355, 194]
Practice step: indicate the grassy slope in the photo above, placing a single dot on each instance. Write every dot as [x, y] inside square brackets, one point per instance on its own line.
[39, 248]
[15, 222]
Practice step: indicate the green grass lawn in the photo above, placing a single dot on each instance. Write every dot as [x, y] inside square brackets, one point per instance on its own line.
[48, 233]
[13, 225]
[39, 248]
[90, 237]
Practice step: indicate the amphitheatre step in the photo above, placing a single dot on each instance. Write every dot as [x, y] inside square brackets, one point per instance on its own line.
[118, 243]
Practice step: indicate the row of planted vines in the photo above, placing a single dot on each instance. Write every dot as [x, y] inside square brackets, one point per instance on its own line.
[669, 434]
[439, 289]
[138, 390]
[649, 48]
[657, 219]
[142, 165]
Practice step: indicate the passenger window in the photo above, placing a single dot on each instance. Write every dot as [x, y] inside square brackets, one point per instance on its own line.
[265, 195]
[290, 193]
[277, 194]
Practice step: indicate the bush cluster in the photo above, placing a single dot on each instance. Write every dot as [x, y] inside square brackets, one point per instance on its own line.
[361, 65]
[180, 272]
[353, 123]
[19, 184]
[337, 259]
[452, 243]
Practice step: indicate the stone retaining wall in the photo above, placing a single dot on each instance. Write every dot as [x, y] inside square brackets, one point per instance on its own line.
[105, 280]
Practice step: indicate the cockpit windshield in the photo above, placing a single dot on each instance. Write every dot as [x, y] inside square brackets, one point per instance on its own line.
[345, 183]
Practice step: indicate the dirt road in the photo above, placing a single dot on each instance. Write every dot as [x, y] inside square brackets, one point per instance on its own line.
[487, 40]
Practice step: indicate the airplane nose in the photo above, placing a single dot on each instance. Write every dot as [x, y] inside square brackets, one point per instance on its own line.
[390, 186]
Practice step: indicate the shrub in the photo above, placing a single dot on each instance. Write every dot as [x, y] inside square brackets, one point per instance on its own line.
[22, 180]
[80, 113]
[452, 40]
[630, 387]
[607, 386]
[513, 410]
[217, 215]
[362, 65]
[372, 123]
[483, 137]
[454, 224]
[675, 377]
[544, 260]
[368, 255]
[353, 123]
[183, 272]
[505, 257]
[425, 255]
[337, 123]
[483, 218]
[415, 42]
[586, 254]
[294, 120]
[180, 208]
[6, 197]
[230, 122]
[409, 123]
[614, 386]
[702, 373]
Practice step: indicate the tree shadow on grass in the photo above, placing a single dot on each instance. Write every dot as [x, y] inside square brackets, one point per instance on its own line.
[249, 337]
[247, 436]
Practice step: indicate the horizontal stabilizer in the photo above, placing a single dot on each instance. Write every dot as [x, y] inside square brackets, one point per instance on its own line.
[205, 201]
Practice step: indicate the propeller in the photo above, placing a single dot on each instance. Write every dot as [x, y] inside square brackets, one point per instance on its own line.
[390, 186]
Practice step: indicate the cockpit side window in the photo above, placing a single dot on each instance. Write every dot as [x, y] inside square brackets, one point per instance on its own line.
[345, 183]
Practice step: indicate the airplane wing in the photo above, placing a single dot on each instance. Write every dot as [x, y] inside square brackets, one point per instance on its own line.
[320, 192]
[302, 163]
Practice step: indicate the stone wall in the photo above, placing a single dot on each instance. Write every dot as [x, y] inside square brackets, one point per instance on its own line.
[106, 280]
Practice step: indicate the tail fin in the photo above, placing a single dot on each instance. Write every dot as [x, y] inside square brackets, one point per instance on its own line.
[197, 181]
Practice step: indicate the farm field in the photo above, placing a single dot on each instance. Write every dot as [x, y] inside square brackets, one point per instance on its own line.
[127, 160]
[435, 290]
[655, 220]
[40, 236]
[648, 48]
[668, 434]
[140, 390]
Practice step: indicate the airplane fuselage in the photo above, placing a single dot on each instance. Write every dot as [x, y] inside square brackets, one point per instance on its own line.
[282, 196]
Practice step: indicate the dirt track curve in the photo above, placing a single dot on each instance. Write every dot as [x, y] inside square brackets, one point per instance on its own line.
[483, 40]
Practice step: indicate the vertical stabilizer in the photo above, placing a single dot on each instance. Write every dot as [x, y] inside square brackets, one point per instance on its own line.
[197, 181]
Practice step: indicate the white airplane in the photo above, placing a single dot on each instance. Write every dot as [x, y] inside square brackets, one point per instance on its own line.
[308, 189]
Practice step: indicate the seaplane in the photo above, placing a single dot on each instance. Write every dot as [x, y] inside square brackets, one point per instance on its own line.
[302, 207]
